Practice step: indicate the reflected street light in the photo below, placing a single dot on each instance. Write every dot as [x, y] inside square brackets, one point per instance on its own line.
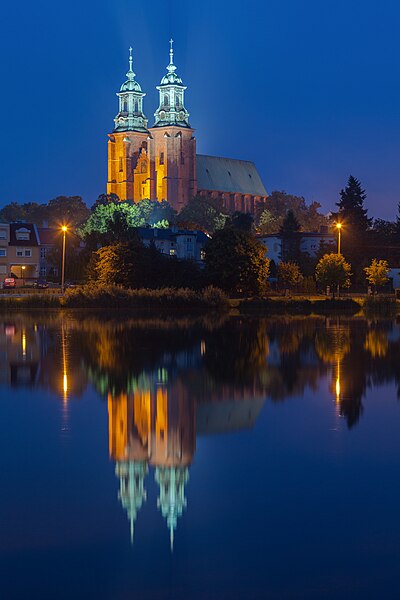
[64, 229]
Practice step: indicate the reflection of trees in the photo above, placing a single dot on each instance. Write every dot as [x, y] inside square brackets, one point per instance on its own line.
[376, 343]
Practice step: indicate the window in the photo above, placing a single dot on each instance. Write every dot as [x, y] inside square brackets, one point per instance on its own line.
[202, 254]
[161, 158]
[24, 252]
[22, 234]
[121, 164]
[3, 234]
[177, 101]
[166, 100]
[43, 252]
[43, 272]
[172, 252]
[125, 106]
[3, 251]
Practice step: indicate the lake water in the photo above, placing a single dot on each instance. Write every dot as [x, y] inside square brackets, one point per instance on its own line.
[199, 458]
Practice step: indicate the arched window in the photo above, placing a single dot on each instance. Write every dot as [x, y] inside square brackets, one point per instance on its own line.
[177, 101]
[136, 107]
[166, 100]
[125, 105]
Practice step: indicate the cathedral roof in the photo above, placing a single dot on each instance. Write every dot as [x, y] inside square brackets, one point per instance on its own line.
[228, 175]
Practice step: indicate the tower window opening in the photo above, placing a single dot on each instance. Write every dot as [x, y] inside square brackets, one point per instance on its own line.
[161, 158]
[125, 106]
[136, 108]
[166, 100]
[177, 101]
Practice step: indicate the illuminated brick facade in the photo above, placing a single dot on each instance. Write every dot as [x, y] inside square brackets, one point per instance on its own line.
[159, 163]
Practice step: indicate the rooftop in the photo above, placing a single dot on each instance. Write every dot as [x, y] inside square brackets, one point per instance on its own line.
[230, 175]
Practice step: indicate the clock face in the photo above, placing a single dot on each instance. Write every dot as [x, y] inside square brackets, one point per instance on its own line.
[162, 115]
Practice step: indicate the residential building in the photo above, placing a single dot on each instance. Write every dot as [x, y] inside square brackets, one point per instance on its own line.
[310, 243]
[19, 251]
[160, 162]
[182, 243]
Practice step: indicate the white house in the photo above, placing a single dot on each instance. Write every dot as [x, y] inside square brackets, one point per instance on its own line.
[310, 243]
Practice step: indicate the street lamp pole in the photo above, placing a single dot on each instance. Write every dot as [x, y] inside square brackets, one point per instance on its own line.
[64, 230]
[339, 230]
[23, 274]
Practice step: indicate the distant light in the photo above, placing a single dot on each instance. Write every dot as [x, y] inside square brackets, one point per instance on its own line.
[64, 228]
[338, 225]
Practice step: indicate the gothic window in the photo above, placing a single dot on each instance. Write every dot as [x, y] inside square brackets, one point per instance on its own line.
[161, 158]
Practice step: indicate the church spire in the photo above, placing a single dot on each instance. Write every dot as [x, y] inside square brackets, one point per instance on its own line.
[172, 499]
[171, 110]
[130, 116]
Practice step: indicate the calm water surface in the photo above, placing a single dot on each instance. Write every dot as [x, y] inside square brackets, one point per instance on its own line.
[199, 458]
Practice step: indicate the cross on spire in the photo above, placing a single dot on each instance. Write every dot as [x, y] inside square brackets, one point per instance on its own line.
[130, 58]
[171, 51]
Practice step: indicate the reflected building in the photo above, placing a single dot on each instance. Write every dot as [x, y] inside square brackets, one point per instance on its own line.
[157, 427]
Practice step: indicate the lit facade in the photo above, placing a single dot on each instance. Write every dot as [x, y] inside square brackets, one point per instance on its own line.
[160, 162]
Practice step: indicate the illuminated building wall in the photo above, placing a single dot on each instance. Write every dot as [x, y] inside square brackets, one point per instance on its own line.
[160, 162]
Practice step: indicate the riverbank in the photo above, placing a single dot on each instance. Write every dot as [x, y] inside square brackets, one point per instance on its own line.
[114, 297]
[383, 306]
[211, 299]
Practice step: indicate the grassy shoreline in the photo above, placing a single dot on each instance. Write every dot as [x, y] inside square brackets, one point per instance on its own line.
[95, 297]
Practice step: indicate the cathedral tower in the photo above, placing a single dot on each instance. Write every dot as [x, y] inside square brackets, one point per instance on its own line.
[174, 143]
[128, 160]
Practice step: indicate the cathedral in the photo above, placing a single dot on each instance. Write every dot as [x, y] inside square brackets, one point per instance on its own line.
[160, 162]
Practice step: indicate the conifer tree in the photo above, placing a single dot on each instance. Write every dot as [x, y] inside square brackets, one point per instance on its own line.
[351, 207]
[289, 232]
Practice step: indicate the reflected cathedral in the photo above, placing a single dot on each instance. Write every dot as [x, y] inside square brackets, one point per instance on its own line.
[166, 381]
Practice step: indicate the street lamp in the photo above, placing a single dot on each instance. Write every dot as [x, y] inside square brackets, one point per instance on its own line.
[23, 274]
[64, 229]
[339, 230]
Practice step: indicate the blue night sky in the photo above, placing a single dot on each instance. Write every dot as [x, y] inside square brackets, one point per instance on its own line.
[308, 90]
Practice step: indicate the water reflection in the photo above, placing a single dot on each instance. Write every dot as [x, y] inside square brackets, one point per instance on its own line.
[168, 381]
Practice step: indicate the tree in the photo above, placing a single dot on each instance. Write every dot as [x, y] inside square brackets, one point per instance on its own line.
[279, 203]
[202, 213]
[241, 221]
[291, 239]
[236, 262]
[289, 274]
[66, 209]
[351, 207]
[114, 265]
[114, 221]
[268, 223]
[377, 273]
[332, 270]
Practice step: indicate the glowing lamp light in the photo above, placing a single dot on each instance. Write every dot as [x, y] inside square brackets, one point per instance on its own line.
[64, 228]
[337, 389]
